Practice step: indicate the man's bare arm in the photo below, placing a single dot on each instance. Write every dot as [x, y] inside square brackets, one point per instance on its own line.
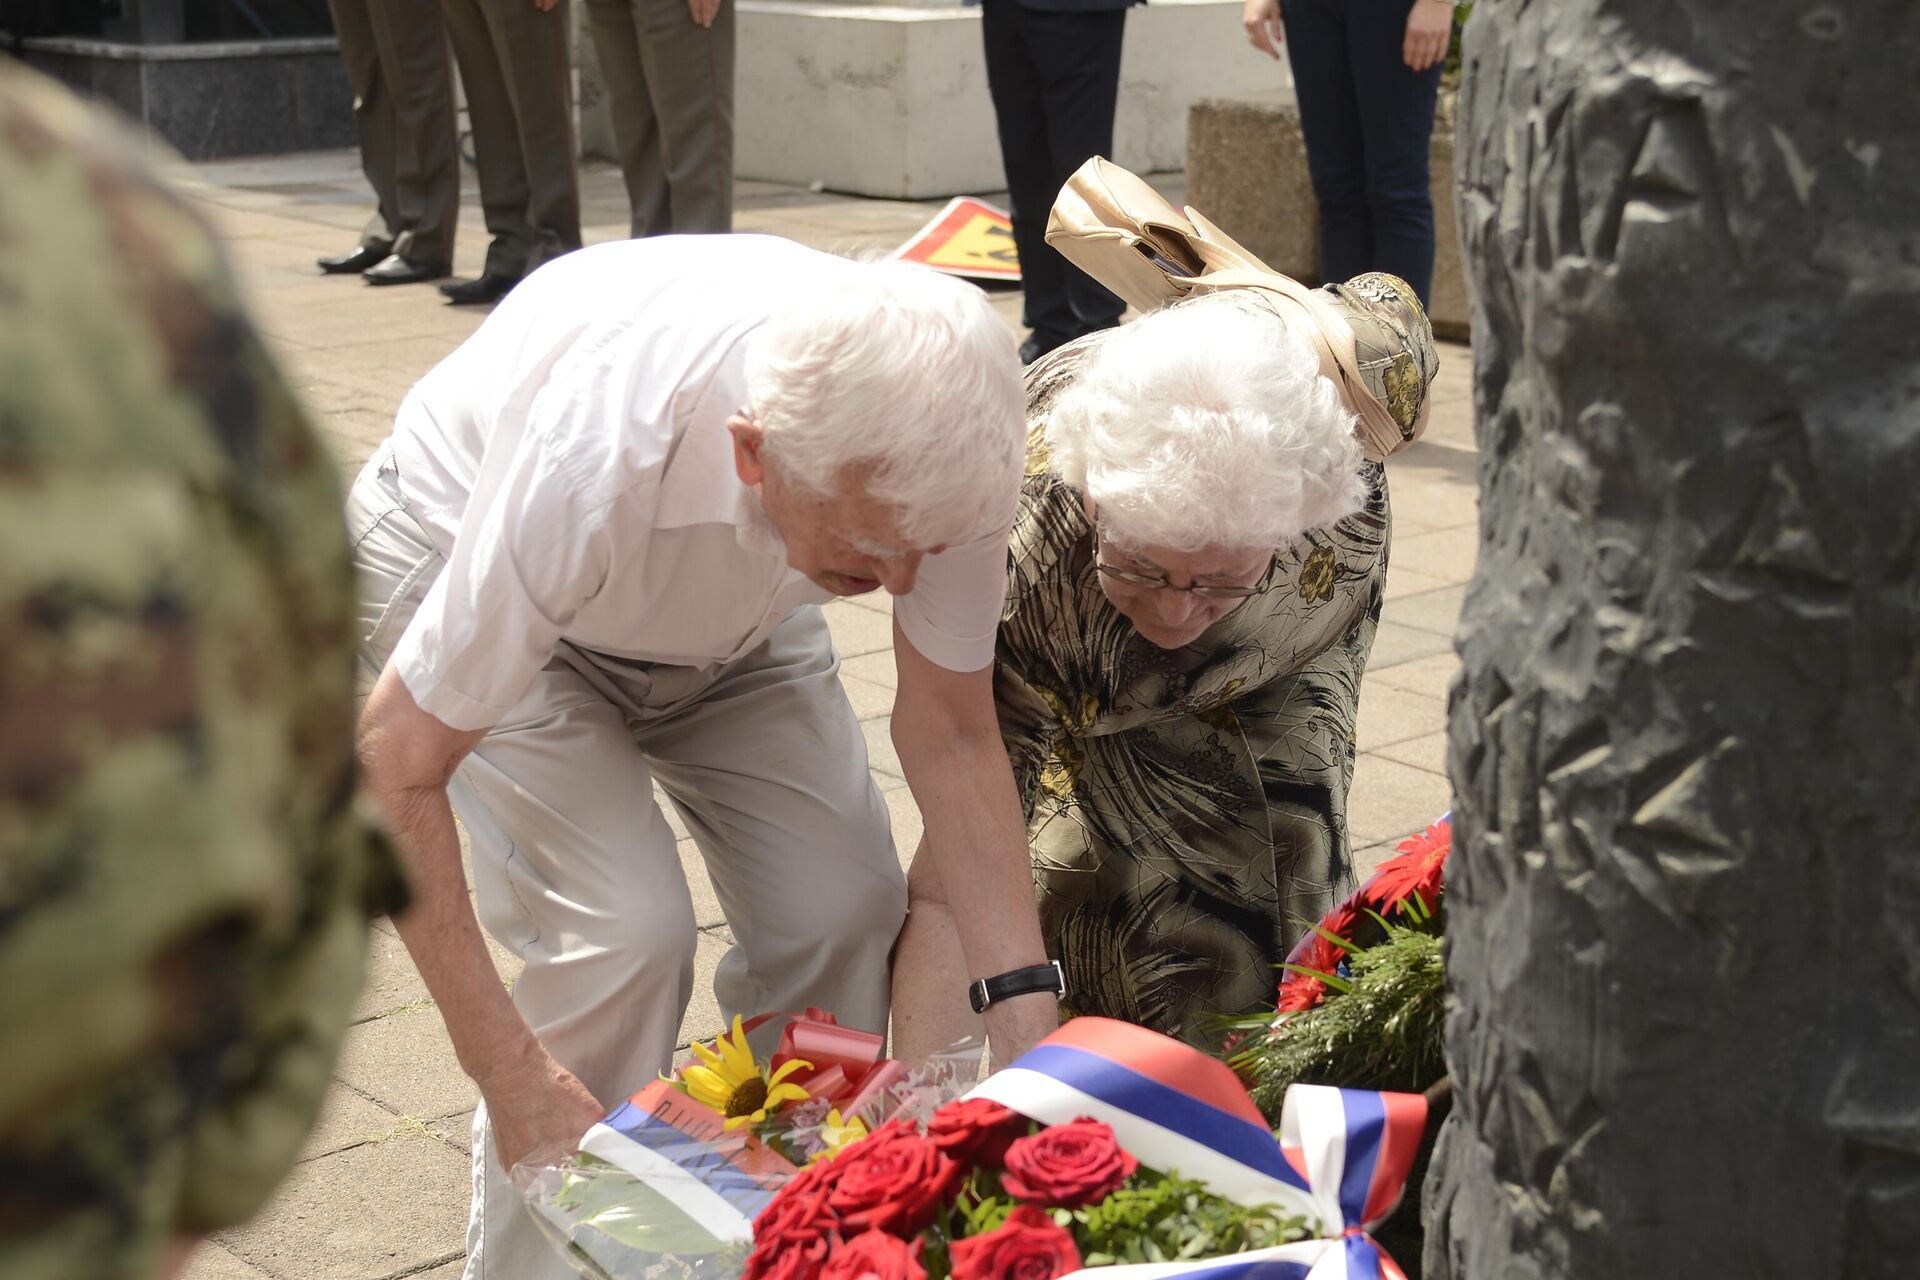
[948, 737]
[407, 757]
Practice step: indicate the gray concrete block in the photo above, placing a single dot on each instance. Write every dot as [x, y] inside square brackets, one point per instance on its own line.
[406, 1063]
[1247, 172]
[856, 631]
[1431, 677]
[211, 1261]
[379, 1209]
[1428, 752]
[1447, 554]
[346, 1120]
[870, 701]
[455, 1131]
[704, 1020]
[876, 668]
[1433, 487]
[1435, 611]
[1390, 800]
[1394, 644]
[392, 980]
[1389, 714]
[209, 100]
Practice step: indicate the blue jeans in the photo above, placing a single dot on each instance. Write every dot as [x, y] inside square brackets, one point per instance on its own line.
[1368, 124]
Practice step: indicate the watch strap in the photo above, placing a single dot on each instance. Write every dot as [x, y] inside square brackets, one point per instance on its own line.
[1047, 977]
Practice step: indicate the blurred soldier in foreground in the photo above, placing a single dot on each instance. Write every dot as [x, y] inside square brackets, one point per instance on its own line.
[185, 887]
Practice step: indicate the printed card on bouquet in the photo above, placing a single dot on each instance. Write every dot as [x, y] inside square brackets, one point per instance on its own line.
[718, 1177]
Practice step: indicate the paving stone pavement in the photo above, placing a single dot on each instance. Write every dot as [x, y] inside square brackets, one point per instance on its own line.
[381, 1190]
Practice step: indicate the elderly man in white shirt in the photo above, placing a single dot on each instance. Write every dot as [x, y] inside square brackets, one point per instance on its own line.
[593, 549]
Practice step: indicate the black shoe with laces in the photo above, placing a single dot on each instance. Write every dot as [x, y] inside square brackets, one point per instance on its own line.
[352, 263]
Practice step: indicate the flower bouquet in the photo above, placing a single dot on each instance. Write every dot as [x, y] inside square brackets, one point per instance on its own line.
[1107, 1146]
[1362, 1002]
[669, 1182]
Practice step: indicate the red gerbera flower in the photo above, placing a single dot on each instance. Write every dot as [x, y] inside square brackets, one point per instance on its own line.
[1298, 993]
[1419, 868]
[1319, 952]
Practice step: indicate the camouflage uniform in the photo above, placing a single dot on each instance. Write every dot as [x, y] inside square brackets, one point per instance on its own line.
[185, 887]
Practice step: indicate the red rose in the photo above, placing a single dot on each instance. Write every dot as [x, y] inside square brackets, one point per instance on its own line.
[893, 1180]
[977, 1131]
[1067, 1165]
[797, 1214]
[875, 1256]
[786, 1260]
[1028, 1247]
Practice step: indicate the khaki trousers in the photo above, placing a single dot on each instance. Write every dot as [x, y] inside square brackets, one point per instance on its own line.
[670, 82]
[514, 68]
[576, 871]
[396, 57]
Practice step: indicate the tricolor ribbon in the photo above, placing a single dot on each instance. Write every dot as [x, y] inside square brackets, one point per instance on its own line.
[1341, 1159]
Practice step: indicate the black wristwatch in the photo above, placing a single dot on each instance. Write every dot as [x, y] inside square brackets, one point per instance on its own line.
[1047, 977]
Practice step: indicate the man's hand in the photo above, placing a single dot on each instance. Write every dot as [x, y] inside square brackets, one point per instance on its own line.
[704, 11]
[1261, 21]
[1016, 1024]
[538, 1109]
[1429, 32]
[545, 6]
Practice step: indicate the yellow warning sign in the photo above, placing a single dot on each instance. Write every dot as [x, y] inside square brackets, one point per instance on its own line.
[967, 238]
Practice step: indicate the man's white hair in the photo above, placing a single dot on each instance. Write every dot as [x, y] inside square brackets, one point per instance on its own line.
[908, 375]
[1207, 426]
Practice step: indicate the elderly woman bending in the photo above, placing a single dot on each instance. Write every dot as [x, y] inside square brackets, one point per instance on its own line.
[1194, 580]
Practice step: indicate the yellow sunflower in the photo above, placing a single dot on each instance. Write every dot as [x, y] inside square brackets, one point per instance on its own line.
[838, 1135]
[736, 1086]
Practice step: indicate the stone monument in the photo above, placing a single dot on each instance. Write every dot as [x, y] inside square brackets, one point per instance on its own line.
[1684, 930]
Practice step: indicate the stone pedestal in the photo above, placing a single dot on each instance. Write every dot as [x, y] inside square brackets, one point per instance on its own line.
[1683, 912]
[211, 100]
[891, 100]
[1247, 171]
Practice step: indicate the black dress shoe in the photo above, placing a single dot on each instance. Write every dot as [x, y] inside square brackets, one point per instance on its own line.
[353, 263]
[1039, 344]
[489, 288]
[394, 269]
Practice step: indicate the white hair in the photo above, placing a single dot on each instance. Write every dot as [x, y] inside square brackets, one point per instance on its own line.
[1207, 426]
[907, 374]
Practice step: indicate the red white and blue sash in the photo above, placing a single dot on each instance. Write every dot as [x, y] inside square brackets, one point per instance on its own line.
[1341, 1159]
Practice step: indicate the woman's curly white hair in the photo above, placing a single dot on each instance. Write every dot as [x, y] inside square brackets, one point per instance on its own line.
[1206, 426]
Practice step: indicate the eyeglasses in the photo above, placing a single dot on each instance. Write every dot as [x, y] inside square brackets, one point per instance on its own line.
[1205, 593]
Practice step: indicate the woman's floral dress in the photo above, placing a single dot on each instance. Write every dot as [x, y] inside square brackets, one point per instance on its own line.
[1187, 809]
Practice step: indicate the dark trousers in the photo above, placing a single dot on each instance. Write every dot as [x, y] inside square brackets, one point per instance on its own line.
[1368, 123]
[1054, 78]
[671, 85]
[514, 68]
[396, 56]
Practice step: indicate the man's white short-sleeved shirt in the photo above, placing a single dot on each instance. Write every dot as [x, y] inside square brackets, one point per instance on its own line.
[571, 462]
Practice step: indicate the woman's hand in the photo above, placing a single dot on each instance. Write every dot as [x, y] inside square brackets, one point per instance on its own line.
[703, 11]
[1429, 32]
[1261, 20]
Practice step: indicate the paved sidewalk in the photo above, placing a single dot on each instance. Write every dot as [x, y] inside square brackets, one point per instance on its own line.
[382, 1190]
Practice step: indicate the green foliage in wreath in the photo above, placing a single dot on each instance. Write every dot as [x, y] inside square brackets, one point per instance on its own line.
[1382, 1027]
